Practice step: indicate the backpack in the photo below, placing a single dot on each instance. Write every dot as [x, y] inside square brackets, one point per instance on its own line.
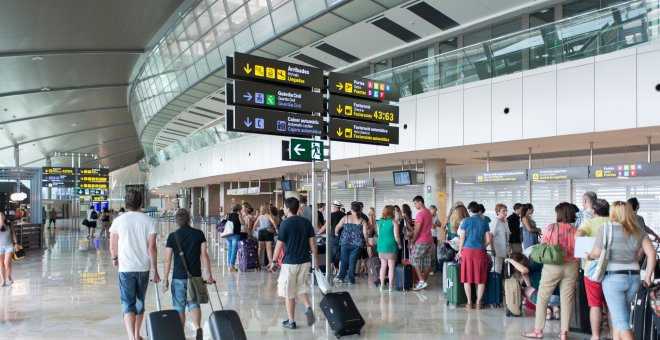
[94, 215]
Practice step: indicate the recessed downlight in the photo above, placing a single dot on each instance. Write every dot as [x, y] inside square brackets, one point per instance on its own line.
[37, 58]
[45, 89]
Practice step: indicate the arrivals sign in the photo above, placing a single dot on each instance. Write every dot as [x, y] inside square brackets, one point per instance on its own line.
[349, 85]
[625, 170]
[353, 108]
[363, 132]
[502, 176]
[555, 174]
[247, 93]
[248, 67]
[269, 122]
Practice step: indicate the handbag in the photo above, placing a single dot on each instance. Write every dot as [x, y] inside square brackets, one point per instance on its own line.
[220, 227]
[20, 253]
[547, 253]
[596, 269]
[197, 290]
[229, 229]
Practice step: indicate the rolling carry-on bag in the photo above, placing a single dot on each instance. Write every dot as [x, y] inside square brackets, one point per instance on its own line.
[373, 265]
[248, 254]
[342, 314]
[579, 322]
[403, 274]
[225, 324]
[455, 291]
[444, 276]
[164, 324]
[512, 294]
[493, 292]
[642, 316]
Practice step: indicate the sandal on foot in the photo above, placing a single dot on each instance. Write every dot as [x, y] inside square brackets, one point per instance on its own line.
[563, 335]
[535, 334]
[468, 306]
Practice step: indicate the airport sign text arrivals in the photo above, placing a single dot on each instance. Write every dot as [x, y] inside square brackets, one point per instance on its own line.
[277, 123]
[353, 108]
[276, 97]
[305, 150]
[247, 66]
[345, 84]
[362, 132]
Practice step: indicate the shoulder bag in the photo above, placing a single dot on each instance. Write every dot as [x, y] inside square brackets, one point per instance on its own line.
[546, 253]
[197, 290]
[596, 269]
[229, 229]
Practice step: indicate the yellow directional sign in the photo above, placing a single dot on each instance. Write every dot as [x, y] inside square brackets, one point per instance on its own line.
[247, 68]
[340, 132]
[339, 109]
[362, 132]
[258, 71]
[363, 109]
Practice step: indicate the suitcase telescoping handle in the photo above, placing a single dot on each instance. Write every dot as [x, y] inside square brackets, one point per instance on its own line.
[219, 299]
[157, 295]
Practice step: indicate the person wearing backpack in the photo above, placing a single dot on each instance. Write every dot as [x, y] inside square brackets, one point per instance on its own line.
[92, 216]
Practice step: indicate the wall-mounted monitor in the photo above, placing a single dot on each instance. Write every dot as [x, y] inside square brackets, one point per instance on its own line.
[403, 177]
[287, 185]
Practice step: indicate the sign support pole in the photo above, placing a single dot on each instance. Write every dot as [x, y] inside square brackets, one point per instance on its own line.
[328, 211]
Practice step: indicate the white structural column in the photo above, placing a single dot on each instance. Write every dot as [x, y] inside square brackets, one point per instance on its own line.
[435, 184]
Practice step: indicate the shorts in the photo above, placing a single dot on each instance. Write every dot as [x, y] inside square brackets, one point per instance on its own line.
[132, 290]
[293, 280]
[179, 289]
[52, 220]
[422, 255]
[9, 249]
[595, 295]
[265, 236]
[91, 224]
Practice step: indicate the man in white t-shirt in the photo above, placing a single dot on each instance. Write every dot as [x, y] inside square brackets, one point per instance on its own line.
[134, 253]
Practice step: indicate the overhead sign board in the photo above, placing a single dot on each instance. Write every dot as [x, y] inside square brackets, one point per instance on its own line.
[349, 85]
[232, 192]
[247, 93]
[354, 108]
[245, 66]
[360, 183]
[502, 176]
[241, 191]
[99, 198]
[556, 174]
[57, 171]
[253, 190]
[278, 123]
[629, 170]
[363, 132]
[58, 177]
[305, 150]
[93, 172]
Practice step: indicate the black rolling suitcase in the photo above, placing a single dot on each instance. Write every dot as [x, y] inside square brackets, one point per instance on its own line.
[225, 324]
[342, 314]
[642, 316]
[579, 322]
[164, 324]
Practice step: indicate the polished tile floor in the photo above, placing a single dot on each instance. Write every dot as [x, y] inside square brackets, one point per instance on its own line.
[69, 291]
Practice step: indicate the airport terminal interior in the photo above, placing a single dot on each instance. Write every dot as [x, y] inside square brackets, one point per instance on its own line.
[216, 105]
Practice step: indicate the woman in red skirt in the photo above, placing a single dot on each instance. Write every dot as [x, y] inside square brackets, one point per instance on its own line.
[475, 236]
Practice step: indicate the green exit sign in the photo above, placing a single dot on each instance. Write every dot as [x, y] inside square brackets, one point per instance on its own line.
[305, 150]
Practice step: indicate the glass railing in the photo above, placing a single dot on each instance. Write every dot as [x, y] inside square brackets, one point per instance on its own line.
[611, 29]
[595, 33]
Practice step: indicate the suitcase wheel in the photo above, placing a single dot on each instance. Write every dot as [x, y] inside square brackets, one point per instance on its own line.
[507, 312]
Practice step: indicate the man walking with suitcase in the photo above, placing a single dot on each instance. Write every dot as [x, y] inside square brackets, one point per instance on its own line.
[134, 253]
[297, 237]
[192, 243]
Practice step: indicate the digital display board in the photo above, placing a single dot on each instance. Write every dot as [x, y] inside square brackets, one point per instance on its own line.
[403, 177]
[58, 177]
[360, 109]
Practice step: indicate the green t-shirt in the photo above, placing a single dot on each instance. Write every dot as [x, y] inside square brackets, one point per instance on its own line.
[386, 241]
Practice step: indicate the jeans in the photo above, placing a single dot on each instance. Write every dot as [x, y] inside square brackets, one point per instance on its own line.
[179, 290]
[132, 289]
[349, 256]
[619, 291]
[232, 244]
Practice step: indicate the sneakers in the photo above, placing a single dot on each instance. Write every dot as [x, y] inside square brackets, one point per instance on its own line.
[420, 285]
[199, 335]
[338, 280]
[381, 288]
[288, 324]
[392, 290]
[309, 313]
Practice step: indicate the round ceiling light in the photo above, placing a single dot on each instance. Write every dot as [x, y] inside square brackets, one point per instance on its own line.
[18, 196]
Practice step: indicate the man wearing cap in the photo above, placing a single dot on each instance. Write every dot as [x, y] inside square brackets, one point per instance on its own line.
[334, 219]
